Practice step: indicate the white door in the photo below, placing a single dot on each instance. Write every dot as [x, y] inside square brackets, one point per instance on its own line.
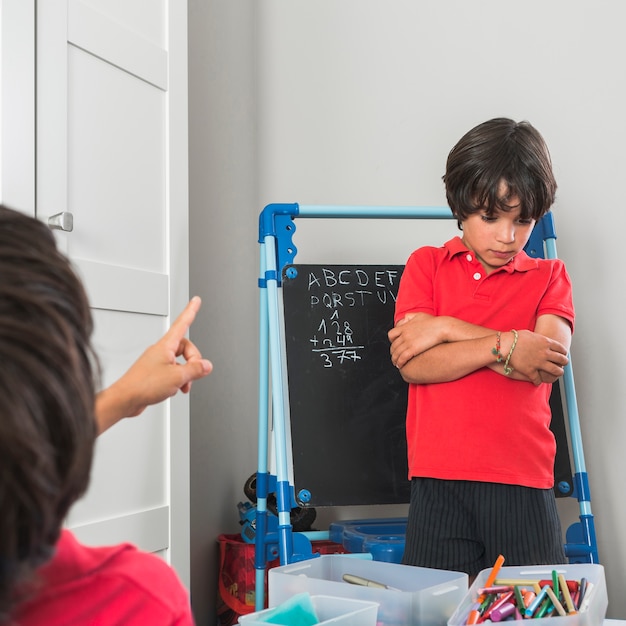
[111, 150]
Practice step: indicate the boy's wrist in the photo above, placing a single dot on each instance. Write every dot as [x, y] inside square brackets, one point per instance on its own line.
[497, 348]
[508, 368]
[506, 342]
[504, 345]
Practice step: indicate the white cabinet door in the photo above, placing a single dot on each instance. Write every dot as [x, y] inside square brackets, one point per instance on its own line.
[111, 150]
[17, 104]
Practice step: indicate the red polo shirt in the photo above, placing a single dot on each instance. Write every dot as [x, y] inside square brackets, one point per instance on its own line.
[105, 586]
[484, 426]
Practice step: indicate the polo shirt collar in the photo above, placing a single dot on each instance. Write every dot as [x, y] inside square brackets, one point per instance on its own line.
[521, 262]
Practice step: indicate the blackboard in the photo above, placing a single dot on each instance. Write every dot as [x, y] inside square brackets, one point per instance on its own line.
[347, 402]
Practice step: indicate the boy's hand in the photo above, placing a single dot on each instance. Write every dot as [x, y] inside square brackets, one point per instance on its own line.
[536, 358]
[165, 368]
[412, 335]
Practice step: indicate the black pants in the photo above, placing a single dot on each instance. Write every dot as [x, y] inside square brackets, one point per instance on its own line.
[463, 526]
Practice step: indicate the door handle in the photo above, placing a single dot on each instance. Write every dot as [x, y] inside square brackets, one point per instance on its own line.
[62, 221]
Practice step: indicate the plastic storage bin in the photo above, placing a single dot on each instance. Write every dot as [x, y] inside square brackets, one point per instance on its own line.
[592, 616]
[329, 610]
[416, 596]
[384, 538]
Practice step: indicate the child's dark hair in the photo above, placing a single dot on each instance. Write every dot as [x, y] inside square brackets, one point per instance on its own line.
[500, 150]
[47, 422]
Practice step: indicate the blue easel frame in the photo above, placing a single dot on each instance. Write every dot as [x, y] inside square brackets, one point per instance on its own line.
[276, 228]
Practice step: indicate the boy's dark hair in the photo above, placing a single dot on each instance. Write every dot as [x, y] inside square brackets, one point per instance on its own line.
[47, 421]
[500, 150]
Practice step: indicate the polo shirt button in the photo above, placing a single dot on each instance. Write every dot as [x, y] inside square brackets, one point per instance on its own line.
[469, 257]
[477, 276]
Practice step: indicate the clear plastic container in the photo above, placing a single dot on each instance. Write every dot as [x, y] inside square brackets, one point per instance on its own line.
[592, 615]
[383, 538]
[416, 596]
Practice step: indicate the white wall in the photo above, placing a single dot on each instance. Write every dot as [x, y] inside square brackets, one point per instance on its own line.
[359, 102]
[224, 211]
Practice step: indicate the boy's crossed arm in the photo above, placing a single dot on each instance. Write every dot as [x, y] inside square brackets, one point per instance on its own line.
[433, 349]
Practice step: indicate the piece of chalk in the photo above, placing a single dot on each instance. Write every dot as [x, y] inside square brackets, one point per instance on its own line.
[555, 601]
[502, 612]
[528, 582]
[567, 596]
[492, 575]
[495, 589]
[572, 585]
[534, 605]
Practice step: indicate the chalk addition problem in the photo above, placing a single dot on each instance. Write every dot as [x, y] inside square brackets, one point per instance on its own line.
[334, 295]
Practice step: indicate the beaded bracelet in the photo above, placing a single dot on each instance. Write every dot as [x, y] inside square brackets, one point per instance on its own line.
[509, 370]
[496, 351]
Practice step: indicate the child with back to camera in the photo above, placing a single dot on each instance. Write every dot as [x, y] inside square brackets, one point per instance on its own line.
[481, 331]
[50, 416]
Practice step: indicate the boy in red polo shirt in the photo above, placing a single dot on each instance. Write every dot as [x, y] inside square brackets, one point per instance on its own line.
[481, 331]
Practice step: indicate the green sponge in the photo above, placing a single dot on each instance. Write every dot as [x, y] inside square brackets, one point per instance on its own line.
[297, 611]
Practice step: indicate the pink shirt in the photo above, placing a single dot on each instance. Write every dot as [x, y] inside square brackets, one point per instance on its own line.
[105, 586]
[484, 426]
